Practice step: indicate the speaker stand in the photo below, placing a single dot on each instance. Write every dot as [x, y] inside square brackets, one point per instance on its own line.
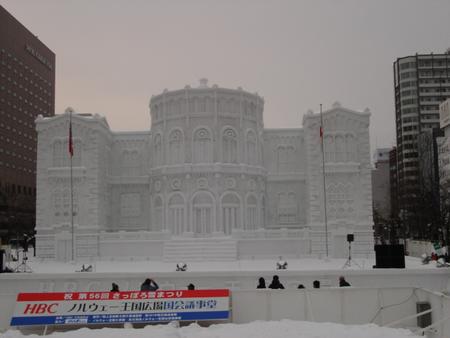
[23, 267]
[349, 261]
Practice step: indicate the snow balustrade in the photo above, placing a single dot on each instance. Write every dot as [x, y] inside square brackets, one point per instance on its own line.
[394, 307]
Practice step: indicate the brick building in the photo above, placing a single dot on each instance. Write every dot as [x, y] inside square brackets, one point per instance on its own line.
[27, 89]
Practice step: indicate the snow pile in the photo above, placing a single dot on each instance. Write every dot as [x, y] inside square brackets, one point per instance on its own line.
[259, 329]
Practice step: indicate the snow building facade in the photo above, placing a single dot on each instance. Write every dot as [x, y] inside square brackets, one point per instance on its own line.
[206, 182]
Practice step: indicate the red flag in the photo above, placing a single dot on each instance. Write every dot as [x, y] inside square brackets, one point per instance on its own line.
[70, 139]
[321, 132]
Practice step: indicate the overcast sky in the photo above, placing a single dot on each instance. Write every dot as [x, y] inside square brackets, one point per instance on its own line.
[111, 56]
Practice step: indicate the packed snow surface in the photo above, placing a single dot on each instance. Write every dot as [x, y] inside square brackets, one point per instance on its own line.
[133, 265]
[259, 329]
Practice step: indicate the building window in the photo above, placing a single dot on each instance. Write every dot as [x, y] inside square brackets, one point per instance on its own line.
[285, 158]
[176, 214]
[130, 205]
[252, 153]
[130, 163]
[158, 150]
[176, 147]
[202, 213]
[157, 213]
[230, 213]
[61, 155]
[251, 221]
[287, 208]
[229, 146]
[202, 146]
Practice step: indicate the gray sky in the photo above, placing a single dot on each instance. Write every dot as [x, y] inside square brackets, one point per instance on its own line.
[112, 55]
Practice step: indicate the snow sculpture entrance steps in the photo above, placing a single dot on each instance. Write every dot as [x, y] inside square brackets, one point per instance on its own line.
[200, 249]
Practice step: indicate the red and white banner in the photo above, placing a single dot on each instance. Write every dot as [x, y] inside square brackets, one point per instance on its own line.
[61, 308]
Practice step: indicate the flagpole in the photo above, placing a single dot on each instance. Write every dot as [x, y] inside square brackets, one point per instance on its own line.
[324, 183]
[71, 185]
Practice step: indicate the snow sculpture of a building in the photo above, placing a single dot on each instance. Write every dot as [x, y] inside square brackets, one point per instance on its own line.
[206, 182]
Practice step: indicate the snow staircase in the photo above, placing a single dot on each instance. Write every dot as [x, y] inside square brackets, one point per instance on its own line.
[200, 249]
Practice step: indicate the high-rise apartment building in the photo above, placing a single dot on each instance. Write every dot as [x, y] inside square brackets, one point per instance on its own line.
[422, 82]
[393, 181]
[27, 89]
[380, 183]
[381, 191]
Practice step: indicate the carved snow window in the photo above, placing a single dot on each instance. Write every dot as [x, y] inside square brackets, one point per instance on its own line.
[130, 205]
[287, 208]
[58, 153]
[252, 110]
[221, 105]
[329, 149]
[158, 150]
[61, 205]
[57, 205]
[230, 213]
[245, 107]
[157, 214]
[202, 217]
[350, 144]
[202, 103]
[263, 213]
[340, 148]
[61, 155]
[340, 200]
[252, 153]
[130, 163]
[209, 103]
[229, 146]
[236, 107]
[285, 158]
[203, 146]
[156, 112]
[251, 213]
[176, 214]
[176, 147]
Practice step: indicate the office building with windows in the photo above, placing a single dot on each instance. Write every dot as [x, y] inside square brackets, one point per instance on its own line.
[27, 89]
[421, 83]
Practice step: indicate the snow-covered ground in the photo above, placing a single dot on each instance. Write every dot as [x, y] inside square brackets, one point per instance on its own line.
[259, 329]
[115, 265]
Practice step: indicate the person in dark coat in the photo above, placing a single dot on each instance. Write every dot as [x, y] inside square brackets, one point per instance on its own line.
[115, 288]
[261, 283]
[343, 282]
[316, 284]
[149, 285]
[276, 283]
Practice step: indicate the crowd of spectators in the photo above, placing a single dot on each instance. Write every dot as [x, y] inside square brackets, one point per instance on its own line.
[150, 285]
[276, 284]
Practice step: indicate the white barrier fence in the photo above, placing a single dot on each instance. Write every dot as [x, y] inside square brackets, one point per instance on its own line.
[382, 306]
[394, 307]
[286, 303]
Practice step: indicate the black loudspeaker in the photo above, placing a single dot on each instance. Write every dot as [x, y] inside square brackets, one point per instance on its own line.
[390, 256]
[350, 237]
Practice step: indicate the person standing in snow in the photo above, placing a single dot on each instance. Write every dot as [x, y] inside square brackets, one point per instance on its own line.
[149, 285]
[261, 283]
[276, 283]
[115, 288]
[343, 282]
